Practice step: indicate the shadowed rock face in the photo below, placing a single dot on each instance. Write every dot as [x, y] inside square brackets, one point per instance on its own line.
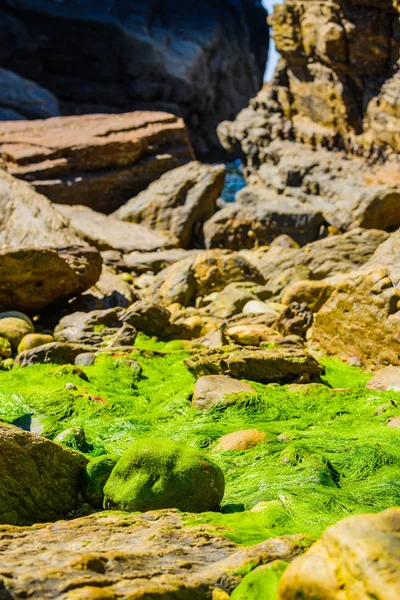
[203, 60]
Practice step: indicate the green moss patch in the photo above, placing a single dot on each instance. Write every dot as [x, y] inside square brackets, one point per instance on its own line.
[327, 454]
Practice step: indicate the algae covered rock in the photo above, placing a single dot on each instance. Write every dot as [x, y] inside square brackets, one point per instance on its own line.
[211, 389]
[154, 474]
[264, 365]
[14, 326]
[358, 557]
[74, 438]
[39, 479]
[261, 583]
[5, 348]
[96, 476]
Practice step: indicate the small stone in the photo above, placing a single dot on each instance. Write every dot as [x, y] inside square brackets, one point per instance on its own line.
[211, 389]
[74, 438]
[34, 340]
[394, 423]
[71, 387]
[384, 380]
[5, 348]
[86, 359]
[241, 440]
[14, 326]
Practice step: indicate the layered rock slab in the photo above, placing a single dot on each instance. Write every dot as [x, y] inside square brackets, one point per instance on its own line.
[98, 161]
[117, 555]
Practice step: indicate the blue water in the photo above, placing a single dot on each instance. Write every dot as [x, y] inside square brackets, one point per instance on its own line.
[234, 180]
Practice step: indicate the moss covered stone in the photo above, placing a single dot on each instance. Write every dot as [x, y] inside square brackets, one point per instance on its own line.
[96, 476]
[155, 474]
[5, 348]
[262, 583]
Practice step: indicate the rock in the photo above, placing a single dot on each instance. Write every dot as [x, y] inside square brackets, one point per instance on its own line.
[74, 438]
[96, 328]
[362, 319]
[97, 161]
[147, 317]
[109, 555]
[110, 291]
[207, 272]
[23, 99]
[97, 473]
[234, 297]
[5, 348]
[199, 60]
[33, 278]
[296, 319]
[40, 479]
[240, 440]
[210, 390]
[394, 423]
[384, 380]
[29, 219]
[107, 233]
[34, 340]
[324, 258]
[255, 307]
[14, 326]
[85, 359]
[251, 334]
[262, 582]
[178, 202]
[58, 353]
[156, 474]
[387, 255]
[358, 557]
[258, 218]
[141, 262]
[254, 364]
[312, 293]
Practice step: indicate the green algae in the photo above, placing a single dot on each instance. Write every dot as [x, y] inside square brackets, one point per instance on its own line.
[327, 454]
[262, 583]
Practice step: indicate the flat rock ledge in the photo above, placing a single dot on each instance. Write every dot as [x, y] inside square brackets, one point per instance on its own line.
[118, 555]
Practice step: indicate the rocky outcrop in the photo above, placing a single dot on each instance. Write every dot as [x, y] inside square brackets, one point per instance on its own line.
[114, 556]
[201, 60]
[24, 99]
[98, 161]
[32, 278]
[357, 558]
[179, 202]
[39, 479]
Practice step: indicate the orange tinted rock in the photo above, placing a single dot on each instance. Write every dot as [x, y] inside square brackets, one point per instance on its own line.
[241, 440]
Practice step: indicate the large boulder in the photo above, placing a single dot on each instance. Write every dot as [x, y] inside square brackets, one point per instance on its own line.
[39, 478]
[32, 278]
[110, 555]
[201, 59]
[29, 219]
[155, 473]
[21, 98]
[358, 557]
[98, 161]
[257, 365]
[178, 202]
[106, 233]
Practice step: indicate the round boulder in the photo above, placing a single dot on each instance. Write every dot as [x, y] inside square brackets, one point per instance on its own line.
[241, 440]
[156, 474]
[14, 326]
[34, 340]
[96, 476]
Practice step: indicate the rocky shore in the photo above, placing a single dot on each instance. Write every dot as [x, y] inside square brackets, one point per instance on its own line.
[199, 399]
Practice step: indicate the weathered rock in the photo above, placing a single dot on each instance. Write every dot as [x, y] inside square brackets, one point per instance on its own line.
[259, 218]
[385, 380]
[200, 275]
[201, 60]
[23, 99]
[85, 359]
[95, 160]
[142, 262]
[39, 479]
[251, 334]
[178, 202]
[59, 353]
[210, 390]
[312, 293]
[241, 440]
[254, 364]
[113, 555]
[29, 219]
[34, 340]
[296, 319]
[358, 557]
[362, 319]
[31, 279]
[110, 291]
[5, 348]
[234, 297]
[324, 258]
[159, 473]
[96, 328]
[106, 233]
[14, 326]
[147, 317]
